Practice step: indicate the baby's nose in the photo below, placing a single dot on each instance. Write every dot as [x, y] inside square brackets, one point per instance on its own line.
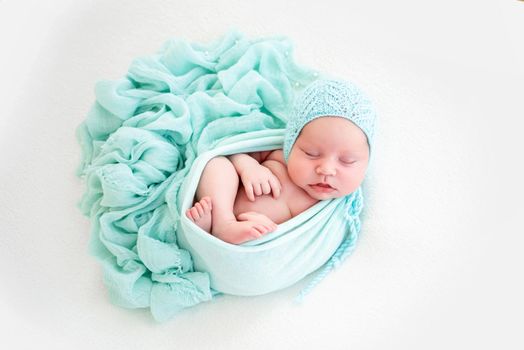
[326, 169]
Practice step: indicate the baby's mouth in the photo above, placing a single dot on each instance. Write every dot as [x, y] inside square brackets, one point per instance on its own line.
[322, 187]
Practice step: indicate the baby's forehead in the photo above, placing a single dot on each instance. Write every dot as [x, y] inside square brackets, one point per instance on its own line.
[329, 124]
[332, 142]
[326, 143]
[332, 133]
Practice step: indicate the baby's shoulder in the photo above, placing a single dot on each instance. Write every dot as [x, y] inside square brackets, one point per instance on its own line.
[277, 155]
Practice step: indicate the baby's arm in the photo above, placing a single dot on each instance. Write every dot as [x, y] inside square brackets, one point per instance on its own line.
[243, 160]
[257, 179]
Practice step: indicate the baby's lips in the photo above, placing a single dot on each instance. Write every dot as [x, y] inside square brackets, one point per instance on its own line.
[323, 185]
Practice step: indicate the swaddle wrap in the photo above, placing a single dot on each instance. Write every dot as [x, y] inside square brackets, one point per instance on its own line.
[298, 247]
[145, 143]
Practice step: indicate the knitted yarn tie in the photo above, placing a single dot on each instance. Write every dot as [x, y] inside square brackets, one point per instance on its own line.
[346, 247]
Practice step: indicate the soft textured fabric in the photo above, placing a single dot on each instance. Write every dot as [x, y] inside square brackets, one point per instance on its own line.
[330, 97]
[298, 247]
[144, 145]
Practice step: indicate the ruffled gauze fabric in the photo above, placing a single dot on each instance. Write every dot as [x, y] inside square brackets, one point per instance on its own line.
[140, 139]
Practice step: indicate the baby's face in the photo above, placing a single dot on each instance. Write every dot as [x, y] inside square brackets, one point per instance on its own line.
[329, 151]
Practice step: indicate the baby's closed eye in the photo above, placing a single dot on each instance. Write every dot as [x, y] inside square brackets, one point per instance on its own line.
[310, 153]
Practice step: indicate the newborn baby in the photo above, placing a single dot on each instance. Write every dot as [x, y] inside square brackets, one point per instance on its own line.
[326, 152]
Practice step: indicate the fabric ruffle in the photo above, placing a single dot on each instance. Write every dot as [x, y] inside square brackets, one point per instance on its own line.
[140, 139]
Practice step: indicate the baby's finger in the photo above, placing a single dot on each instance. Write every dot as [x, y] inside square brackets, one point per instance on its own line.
[266, 188]
[249, 192]
[258, 190]
[276, 187]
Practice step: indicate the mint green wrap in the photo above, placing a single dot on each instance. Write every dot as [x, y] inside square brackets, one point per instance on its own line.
[145, 143]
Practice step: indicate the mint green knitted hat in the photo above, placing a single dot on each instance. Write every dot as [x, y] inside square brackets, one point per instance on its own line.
[328, 97]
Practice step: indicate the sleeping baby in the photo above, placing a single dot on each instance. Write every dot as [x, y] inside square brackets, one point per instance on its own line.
[325, 155]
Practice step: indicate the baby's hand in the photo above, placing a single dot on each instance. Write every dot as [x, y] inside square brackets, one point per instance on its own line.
[259, 180]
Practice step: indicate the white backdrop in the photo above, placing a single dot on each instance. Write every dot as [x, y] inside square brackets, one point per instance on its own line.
[439, 263]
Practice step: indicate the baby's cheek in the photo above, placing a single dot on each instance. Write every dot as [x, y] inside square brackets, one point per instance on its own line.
[352, 182]
[293, 172]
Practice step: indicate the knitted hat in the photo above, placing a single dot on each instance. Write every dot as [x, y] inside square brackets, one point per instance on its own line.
[327, 97]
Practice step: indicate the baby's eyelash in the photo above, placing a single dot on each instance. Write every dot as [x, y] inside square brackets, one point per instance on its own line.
[309, 154]
[342, 161]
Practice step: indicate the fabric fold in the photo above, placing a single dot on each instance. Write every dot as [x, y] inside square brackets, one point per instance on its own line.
[144, 144]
